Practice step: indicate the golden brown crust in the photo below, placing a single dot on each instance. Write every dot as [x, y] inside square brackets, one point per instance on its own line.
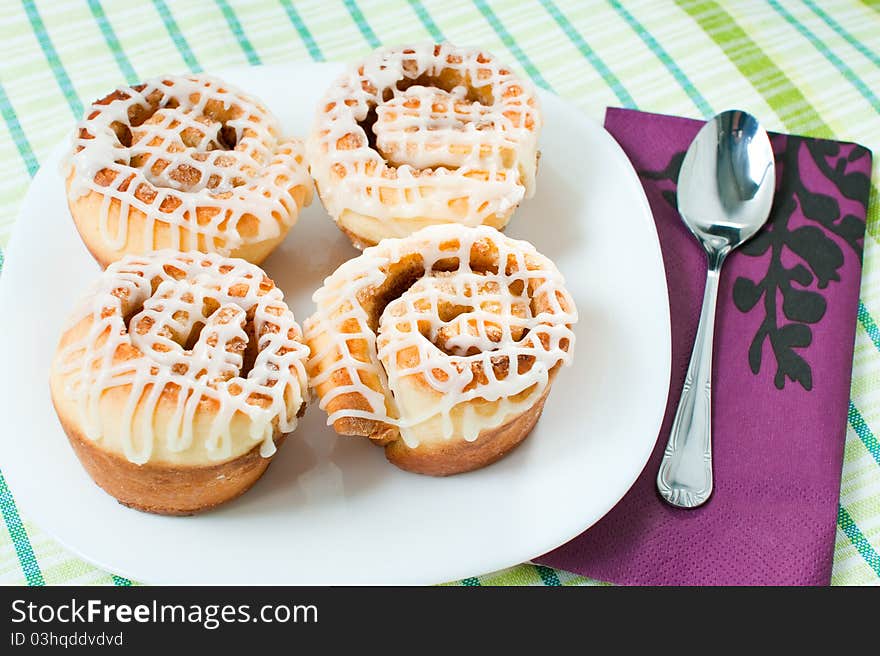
[86, 210]
[356, 241]
[498, 221]
[456, 456]
[167, 489]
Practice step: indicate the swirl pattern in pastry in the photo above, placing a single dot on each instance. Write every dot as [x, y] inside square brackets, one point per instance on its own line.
[187, 359]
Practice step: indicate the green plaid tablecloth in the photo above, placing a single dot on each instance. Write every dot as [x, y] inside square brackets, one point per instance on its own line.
[805, 66]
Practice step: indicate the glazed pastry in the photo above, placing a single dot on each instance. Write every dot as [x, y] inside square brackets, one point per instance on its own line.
[440, 346]
[184, 162]
[178, 378]
[418, 136]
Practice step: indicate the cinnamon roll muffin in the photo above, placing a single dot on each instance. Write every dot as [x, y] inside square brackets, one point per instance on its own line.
[441, 346]
[178, 378]
[422, 135]
[184, 162]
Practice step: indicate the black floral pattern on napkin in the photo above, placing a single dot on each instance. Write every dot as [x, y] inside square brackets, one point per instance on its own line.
[815, 246]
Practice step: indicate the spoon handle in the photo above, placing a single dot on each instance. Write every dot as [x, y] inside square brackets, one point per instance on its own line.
[685, 476]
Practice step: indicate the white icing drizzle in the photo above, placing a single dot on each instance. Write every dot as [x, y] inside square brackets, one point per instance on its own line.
[453, 126]
[166, 148]
[141, 314]
[469, 334]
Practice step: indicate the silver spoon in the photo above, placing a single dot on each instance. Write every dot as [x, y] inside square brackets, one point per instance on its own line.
[725, 190]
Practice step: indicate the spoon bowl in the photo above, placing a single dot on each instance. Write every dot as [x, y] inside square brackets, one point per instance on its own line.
[725, 192]
[727, 181]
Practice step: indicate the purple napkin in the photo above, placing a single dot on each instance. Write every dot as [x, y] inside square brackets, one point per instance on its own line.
[783, 361]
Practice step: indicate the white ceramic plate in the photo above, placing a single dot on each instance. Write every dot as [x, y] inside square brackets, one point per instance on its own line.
[331, 510]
